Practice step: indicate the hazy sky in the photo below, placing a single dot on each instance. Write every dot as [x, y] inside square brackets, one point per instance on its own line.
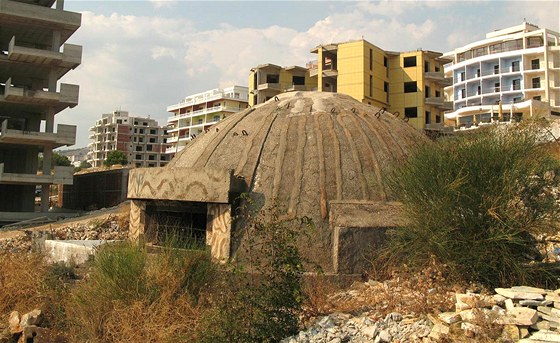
[142, 56]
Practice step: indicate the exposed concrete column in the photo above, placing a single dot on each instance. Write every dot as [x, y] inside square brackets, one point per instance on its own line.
[60, 5]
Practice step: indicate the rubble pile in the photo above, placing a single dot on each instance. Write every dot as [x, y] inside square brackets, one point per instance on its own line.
[525, 314]
[106, 229]
[27, 327]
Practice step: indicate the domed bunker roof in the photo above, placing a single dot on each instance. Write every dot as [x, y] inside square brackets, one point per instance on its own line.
[302, 150]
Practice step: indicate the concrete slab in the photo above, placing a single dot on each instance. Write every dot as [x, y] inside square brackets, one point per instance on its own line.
[72, 251]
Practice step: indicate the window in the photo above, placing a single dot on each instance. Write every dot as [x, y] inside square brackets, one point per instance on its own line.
[162, 157]
[426, 66]
[536, 82]
[119, 121]
[152, 140]
[535, 64]
[370, 86]
[386, 89]
[462, 76]
[410, 87]
[409, 61]
[385, 61]
[438, 118]
[298, 80]
[427, 91]
[515, 66]
[144, 124]
[141, 131]
[134, 139]
[463, 93]
[411, 112]
[538, 97]
[370, 59]
[153, 132]
[496, 87]
[138, 148]
[151, 157]
[149, 147]
[496, 69]
[135, 130]
[437, 68]
[236, 95]
[272, 78]
[138, 157]
[135, 122]
[516, 84]
[517, 99]
[428, 118]
[438, 94]
[478, 90]
[478, 72]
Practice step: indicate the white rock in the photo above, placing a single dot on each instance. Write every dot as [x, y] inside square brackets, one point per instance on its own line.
[527, 289]
[509, 304]
[544, 335]
[520, 316]
[512, 294]
[449, 317]
[384, 336]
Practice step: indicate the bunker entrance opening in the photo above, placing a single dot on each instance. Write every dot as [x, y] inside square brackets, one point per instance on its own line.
[181, 224]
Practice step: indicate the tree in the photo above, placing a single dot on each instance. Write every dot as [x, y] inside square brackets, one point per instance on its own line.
[85, 164]
[56, 160]
[116, 157]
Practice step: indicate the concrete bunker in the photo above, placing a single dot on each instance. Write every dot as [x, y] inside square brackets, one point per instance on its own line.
[307, 154]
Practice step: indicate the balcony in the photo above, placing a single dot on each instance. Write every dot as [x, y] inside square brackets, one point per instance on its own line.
[295, 88]
[65, 135]
[271, 86]
[438, 101]
[330, 72]
[70, 58]
[67, 97]
[208, 110]
[173, 150]
[62, 176]
[40, 17]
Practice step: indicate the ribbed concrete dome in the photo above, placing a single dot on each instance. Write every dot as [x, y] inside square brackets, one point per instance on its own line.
[302, 150]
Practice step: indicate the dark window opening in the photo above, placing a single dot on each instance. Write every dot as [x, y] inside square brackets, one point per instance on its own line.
[153, 132]
[428, 118]
[298, 80]
[370, 59]
[152, 157]
[438, 118]
[370, 86]
[149, 147]
[138, 157]
[516, 84]
[385, 62]
[410, 87]
[535, 64]
[411, 112]
[272, 78]
[426, 66]
[409, 61]
[152, 140]
[536, 82]
[538, 97]
[427, 91]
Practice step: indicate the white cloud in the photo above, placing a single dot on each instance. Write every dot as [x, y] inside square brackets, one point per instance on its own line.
[163, 3]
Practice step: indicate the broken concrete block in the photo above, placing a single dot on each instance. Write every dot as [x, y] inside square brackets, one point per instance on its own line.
[535, 303]
[527, 289]
[450, 317]
[512, 294]
[523, 331]
[520, 316]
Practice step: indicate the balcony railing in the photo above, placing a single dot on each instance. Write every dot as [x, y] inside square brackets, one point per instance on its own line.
[204, 111]
[68, 95]
[62, 175]
[265, 86]
[70, 58]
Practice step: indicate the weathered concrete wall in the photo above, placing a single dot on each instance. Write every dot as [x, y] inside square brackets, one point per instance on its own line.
[95, 190]
[72, 252]
[183, 184]
[359, 229]
[218, 231]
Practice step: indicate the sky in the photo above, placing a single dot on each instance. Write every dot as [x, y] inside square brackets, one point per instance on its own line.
[142, 56]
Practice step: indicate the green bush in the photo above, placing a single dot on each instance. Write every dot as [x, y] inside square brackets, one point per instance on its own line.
[473, 201]
[264, 295]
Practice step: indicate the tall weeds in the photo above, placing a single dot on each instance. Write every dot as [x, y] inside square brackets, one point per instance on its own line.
[473, 201]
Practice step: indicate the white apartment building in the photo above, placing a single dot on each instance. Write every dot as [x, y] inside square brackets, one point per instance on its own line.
[198, 112]
[142, 139]
[514, 73]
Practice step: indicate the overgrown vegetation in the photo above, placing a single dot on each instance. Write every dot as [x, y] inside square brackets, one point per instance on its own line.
[261, 300]
[473, 202]
[116, 157]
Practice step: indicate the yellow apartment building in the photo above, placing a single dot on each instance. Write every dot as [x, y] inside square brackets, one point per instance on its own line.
[269, 80]
[409, 84]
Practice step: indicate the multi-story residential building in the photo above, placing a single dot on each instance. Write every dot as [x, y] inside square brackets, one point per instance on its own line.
[269, 80]
[513, 73]
[142, 139]
[198, 112]
[410, 84]
[33, 57]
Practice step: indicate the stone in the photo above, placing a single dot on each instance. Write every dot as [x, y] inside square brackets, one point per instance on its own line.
[527, 289]
[546, 335]
[515, 295]
[473, 300]
[370, 331]
[438, 331]
[541, 325]
[510, 333]
[557, 304]
[523, 331]
[499, 299]
[32, 318]
[552, 319]
[384, 336]
[535, 303]
[553, 297]
[520, 316]
[13, 322]
[449, 317]
[509, 304]
[470, 329]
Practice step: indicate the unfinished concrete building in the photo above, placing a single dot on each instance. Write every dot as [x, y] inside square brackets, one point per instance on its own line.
[308, 154]
[33, 58]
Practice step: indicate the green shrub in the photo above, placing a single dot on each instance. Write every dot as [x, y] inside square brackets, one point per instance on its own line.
[473, 201]
[262, 298]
